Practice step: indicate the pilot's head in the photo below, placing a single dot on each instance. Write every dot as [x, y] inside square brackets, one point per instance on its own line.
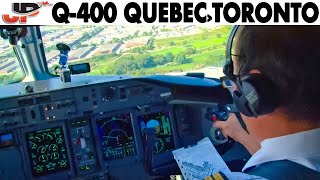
[288, 56]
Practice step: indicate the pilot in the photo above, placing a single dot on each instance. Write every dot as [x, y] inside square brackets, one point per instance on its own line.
[276, 72]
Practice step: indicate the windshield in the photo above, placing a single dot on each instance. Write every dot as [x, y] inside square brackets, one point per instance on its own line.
[10, 69]
[140, 49]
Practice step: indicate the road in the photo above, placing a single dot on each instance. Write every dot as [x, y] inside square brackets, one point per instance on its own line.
[211, 71]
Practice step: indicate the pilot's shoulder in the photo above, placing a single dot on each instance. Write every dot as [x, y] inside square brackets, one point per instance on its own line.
[283, 169]
[233, 176]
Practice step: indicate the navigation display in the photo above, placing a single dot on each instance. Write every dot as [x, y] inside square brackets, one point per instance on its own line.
[116, 136]
[165, 140]
[47, 151]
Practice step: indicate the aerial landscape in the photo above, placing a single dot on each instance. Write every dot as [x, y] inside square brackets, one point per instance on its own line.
[131, 50]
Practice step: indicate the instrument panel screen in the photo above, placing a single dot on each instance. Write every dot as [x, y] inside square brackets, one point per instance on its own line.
[116, 137]
[47, 151]
[165, 140]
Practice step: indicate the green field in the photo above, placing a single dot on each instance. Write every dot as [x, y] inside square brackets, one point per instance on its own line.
[196, 51]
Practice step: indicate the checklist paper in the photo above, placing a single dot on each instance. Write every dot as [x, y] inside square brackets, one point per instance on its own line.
[202, 160]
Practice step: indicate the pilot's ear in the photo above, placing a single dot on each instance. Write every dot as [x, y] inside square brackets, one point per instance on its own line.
[254, 71]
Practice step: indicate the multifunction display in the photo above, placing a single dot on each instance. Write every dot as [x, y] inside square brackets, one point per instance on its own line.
[47, 151]
[116, 136]
[165, 140]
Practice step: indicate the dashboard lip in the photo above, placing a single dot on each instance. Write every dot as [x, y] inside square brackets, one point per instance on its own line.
[17, 90]
[178, 90]
[55, 84]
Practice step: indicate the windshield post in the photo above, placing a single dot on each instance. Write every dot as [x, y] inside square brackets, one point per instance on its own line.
[34, 60]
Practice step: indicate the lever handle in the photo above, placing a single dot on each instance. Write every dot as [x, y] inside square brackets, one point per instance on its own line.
[149, 145]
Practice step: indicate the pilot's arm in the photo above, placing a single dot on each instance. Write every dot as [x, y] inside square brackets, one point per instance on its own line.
[232, 128]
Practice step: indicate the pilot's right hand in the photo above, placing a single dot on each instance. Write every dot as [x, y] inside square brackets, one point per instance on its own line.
[232, 128]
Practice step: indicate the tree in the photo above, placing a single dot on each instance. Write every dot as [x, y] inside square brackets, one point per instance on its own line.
[149, 62]
[85, 35]
[136, 33]
[180, 58]
[165, 30]
[136, 50]
[150, 45]
[169, 57]
[119, 70]
[221, 58]
[115, 40]
[210, 60]
[190, 51]
[204, 36]
[160, 60]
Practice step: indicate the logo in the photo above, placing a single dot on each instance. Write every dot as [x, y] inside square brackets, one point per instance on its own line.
[24, 10]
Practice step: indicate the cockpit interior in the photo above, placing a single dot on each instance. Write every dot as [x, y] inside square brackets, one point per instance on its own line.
[71, 125]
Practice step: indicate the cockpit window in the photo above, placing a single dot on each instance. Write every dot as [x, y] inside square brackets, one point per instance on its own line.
[140, 49]
[10, 69]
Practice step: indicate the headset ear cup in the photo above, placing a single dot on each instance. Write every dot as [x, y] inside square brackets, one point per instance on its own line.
[259, 91]
[242, 104]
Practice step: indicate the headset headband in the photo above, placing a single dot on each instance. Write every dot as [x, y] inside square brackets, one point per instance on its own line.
[228, 68]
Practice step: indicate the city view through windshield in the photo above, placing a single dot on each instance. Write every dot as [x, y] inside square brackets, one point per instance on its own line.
[131, 50]
[140, 50]
[10, 70]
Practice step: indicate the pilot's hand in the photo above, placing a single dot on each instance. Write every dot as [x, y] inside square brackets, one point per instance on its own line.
[232, 128]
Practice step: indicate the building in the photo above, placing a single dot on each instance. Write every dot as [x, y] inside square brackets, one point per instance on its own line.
[80, 53]
[137, 42]
[8, 66]
[108, 48]
[52, 56]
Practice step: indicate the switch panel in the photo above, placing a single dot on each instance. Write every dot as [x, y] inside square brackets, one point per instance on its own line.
[83, 146]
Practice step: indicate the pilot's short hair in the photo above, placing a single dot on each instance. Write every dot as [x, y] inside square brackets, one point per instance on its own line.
[290, 57]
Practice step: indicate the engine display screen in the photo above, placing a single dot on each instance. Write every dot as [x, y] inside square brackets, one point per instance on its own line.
[165, 140]
[47, 151]
[116, 137]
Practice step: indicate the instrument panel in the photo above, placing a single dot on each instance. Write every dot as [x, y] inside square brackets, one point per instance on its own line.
[116, 137]
[164, 137]
[47, 151]
[86, 132]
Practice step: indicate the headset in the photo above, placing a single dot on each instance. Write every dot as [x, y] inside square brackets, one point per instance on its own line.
[255, 94]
